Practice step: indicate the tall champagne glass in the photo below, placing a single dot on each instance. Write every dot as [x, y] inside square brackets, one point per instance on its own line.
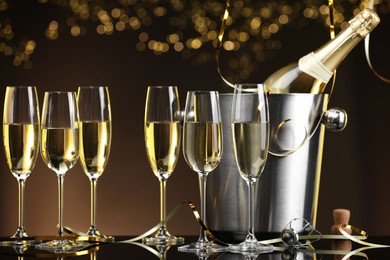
[202, 148]
[60, 150]
[250, 135]
[162, 140]
[95, 139]
[21, 135]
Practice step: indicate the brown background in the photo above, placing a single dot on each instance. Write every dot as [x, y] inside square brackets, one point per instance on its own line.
[355, 172]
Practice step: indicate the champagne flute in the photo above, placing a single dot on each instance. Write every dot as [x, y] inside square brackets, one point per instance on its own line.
[60, 152]
[95, 139]
[250, 135]
[21, 135]
[162, 140]
[202, 147]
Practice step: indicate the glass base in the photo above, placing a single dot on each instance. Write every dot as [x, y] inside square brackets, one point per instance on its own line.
[251, 248]
[63, 246]
[203, 248]
[163, 237]
[94, 232]
[20, 246]
[163, 240]
[20, 241]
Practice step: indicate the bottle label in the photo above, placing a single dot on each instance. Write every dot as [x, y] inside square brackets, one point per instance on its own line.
[312, 65]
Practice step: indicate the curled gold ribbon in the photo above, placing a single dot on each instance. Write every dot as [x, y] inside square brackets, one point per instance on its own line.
[76, 235]
[85, 237]
[222, 32]
[178, 207]
[361, 235]
[332, 35]
[367, 51]
[20, 249]
[326, 252]
[91, 244]
[355, 239]
[313, 237]
[80, 236]
[156, 227]
[219, 42]
[205, 229]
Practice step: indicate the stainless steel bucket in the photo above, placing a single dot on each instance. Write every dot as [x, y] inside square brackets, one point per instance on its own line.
[289, 185]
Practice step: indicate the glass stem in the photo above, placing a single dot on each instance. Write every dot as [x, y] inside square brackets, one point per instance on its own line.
[202, 189]
[60, 205]
[21, 185]
[93, 182]
[163, 214]
[251, 204]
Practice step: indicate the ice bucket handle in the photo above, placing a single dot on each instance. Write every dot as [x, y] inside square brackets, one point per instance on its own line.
[335, 119]
[295, 119]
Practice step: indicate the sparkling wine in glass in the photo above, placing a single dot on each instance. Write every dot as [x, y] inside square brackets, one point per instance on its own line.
[202, 148]
[60, 152]
[95, 139]
[250, 135]
[21, 135]
[162, 131]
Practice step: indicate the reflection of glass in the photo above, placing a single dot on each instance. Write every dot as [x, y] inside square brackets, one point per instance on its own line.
[59, 149]
[162, 140]
[93, 256]
[160, 250]
[95, 139]
[202, 148]
[250, 135]
[21, 144]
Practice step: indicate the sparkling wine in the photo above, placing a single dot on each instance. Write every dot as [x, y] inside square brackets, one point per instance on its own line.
[313, 71]
[250, 150]
[95, 145]
[60, 148]
[202, 145]
[162, 140]
[21, 147]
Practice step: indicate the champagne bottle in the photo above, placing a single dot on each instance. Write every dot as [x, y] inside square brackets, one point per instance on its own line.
[313, 71]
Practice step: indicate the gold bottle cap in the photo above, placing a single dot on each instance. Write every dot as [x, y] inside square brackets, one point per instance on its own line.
[364, 22]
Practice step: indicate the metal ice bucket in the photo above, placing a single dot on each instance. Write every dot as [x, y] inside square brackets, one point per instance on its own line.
[289, 185]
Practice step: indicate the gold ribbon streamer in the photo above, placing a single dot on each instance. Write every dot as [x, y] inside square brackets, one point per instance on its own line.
[309, 135]
[362, 235]
[85, 237]
[150, 249]
[217, 56]
[357, 240]
[367, 51]
[359, 231]
[76, 235]
[80, 236]
[191, 205]
[327, 252]
[219, 42]
[156, 227]
[313, 237]
[205, 229]
[332, 35]
[222, 32]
